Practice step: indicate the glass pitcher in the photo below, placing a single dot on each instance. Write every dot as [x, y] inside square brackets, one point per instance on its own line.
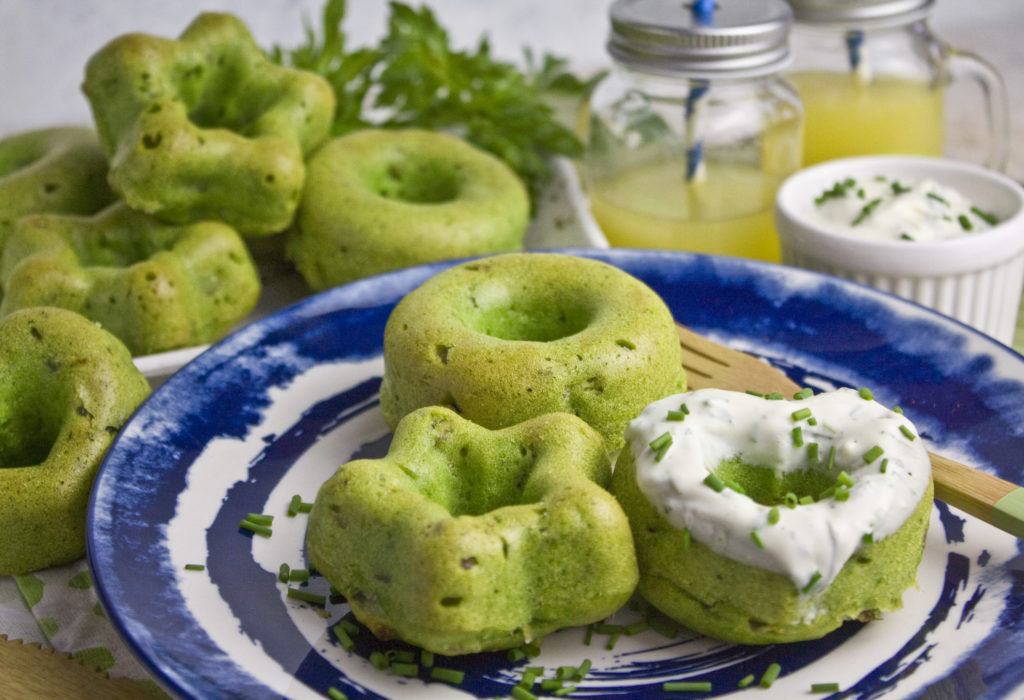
[689, 137]
[873, 77]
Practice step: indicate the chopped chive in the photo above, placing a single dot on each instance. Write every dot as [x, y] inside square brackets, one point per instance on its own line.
[906, 237]
[773, 515]
[873, 454]
[293, 505]
[770, 674]
[426, 658]
[865, 212]
[684, 536]
[532, 649]
[400, 668]
[714, 482]
[636, 627]
[195, 567]
[343, 638]
[283, 573]
[306, 596]
[528, 679]
[660, 441]
[298, 575]
[564, 691]
[686, 686]
[898, 189]
[335, 694]
[831, 461]
[676, 415]
[938, 198]
[378, 660]
[757, 539]
[609, 628]
[815, 577]
[845, 479]
[812, 451]
[884, 466]
[907, 432]
[812, 421]
[735, 486]
[260, 518]
[751, 392]
[806, 500]
[827, 493]
[774, 396]
[985, 216]
[515, 654]
[683, 407]
[348, 626]
[565, 672]
[588, 635]
[800, 414]
[612, 641]
[867, 538]
[663, 627]
[805, 393]
[584, 668]
[791, 500]
[798, 436]
[551, 684]
[841, 493]
[865, 393]
[447, 675]
[824, 687]
[861, 194]
[407, 656]
[255, 528]
[746, 680]
[965, 222]
[660, 454]
[897, 409]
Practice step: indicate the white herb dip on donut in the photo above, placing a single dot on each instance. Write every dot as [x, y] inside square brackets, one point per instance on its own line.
[872, 454]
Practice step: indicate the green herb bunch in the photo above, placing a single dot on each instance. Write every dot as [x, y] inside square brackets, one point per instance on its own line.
[414, 78]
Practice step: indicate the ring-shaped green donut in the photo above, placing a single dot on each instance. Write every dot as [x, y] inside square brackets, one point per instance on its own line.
[505, 338]
[378, 200]
[60, 170]
[66, 388]
[510, 533]
[155, 286]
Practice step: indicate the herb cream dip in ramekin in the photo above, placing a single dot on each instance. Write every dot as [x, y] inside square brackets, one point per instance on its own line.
[842, 218]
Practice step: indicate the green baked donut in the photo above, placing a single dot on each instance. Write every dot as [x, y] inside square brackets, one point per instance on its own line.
[155, 286]
[66, 388]
[378, 200]
[509, 533]
[761, 567]
[506, 338]
[206, 127]
[62, 170]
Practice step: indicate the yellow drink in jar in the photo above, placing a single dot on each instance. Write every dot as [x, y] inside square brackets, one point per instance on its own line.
[729, 212]
[844, 115]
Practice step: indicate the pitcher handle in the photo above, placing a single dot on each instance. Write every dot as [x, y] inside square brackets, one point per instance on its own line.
[968, 65]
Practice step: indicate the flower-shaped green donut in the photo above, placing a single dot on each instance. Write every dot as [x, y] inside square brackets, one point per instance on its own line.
[61, 170]
[155, 286]
[66, 388]
[464, 539]
[206, 127]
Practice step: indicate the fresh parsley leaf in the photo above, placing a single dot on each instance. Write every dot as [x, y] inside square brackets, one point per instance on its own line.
[414, 78]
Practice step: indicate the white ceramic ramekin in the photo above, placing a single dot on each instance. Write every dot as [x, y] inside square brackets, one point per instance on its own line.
[976, 278]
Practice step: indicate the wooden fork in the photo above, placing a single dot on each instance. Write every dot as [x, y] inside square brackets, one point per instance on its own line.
[987, 497]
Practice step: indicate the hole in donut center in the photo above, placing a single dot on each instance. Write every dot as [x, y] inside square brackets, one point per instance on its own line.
[528, 315]
[768, 488]
[28, 431]
[407, 179]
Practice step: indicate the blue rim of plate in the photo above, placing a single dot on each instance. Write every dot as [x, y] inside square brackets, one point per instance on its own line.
[964, 390]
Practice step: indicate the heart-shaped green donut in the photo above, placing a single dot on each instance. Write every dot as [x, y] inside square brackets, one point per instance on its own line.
[66, 388]
[464, 539]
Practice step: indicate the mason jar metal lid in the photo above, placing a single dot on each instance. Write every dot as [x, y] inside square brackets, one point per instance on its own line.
[743, 37]
[860, 12]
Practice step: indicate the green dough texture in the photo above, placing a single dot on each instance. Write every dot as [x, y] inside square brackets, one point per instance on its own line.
[728, 600]
[61, 170]
[155, 286]
[506, 338]
[66, 388]
[379, 200]
[205, 126]
[464, 539]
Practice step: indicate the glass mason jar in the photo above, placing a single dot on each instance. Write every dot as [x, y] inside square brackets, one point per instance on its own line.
[873, 78]
[690, 135]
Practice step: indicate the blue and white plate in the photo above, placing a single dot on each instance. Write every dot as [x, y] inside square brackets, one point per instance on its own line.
[272, 411]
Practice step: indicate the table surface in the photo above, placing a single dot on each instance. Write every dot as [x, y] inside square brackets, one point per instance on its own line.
[44, 44]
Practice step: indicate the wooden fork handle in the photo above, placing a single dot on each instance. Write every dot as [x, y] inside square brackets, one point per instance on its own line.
[980, 494]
